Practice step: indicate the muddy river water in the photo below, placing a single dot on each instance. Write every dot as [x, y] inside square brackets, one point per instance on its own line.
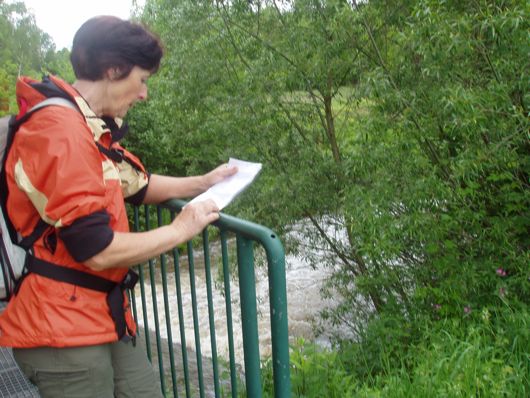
[303, 299]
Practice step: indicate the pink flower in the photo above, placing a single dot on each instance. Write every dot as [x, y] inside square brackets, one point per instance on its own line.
[437, 307]
[467, 310]
[501, 272]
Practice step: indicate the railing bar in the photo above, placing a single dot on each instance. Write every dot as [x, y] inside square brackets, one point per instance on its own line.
[155, 313]
[144, 307]
[157, 325]
[228, 304]
[208, 274]
[140, 269]
[195, 319]
[184, 349]
[249, 318]
[132, 295]
[163, 264]
[279, 327]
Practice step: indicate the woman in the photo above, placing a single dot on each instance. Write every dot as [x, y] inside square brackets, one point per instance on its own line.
[71, 338]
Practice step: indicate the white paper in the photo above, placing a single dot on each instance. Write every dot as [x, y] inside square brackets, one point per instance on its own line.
[225, 191]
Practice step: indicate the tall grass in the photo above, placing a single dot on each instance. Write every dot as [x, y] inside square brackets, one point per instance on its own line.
[488, 356]
[485, 362]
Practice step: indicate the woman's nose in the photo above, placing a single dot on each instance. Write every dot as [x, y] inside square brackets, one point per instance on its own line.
[142, 96]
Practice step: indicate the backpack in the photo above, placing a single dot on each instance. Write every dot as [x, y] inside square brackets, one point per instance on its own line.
[13, 250]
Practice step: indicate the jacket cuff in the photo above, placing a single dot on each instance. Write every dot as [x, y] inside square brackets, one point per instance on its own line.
[87, 236]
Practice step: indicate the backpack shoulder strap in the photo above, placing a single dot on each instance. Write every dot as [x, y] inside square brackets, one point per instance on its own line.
[8, 128]
[4, 129]
[14, 122]
[54, 101]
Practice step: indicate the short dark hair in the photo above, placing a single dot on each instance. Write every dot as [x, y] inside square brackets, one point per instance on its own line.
[106, 42]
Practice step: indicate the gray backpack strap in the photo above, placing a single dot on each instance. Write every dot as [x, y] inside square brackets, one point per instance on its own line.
[54, 101]
[4, 128]
[12, 255]
[4, 121]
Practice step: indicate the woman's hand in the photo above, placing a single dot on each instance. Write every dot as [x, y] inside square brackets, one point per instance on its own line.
[194, 218]
[162, 188]
[218, 174]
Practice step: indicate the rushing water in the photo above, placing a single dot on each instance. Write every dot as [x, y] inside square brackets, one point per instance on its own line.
[303, 299]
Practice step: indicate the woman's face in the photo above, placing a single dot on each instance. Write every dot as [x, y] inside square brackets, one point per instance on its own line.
[124, 93]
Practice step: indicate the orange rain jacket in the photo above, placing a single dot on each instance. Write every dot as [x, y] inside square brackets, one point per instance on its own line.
[56, 172]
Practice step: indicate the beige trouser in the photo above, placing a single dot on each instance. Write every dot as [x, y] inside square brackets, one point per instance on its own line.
[101, 371]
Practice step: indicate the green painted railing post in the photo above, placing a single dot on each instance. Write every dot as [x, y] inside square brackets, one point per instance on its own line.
[228, 307]
[196, 331]
[211, 320]
[163, 265]
[249, 317]
[155, 311]
[142, 293]
[279, 328]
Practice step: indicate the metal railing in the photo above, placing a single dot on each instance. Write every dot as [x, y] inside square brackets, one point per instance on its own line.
[190, 367]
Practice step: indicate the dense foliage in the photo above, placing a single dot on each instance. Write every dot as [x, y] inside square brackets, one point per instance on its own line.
[410, 123]
[25, 50]
[395, 149]
[487, 359]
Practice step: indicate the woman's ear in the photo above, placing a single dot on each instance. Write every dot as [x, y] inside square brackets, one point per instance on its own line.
[113, 73]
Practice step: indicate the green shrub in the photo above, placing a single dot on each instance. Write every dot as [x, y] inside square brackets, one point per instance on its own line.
[315, 372]
[487, 356]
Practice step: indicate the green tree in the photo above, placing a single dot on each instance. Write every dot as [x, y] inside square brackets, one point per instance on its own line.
[451, 91]
[393, 138]
[275, 87]
[25, 50]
